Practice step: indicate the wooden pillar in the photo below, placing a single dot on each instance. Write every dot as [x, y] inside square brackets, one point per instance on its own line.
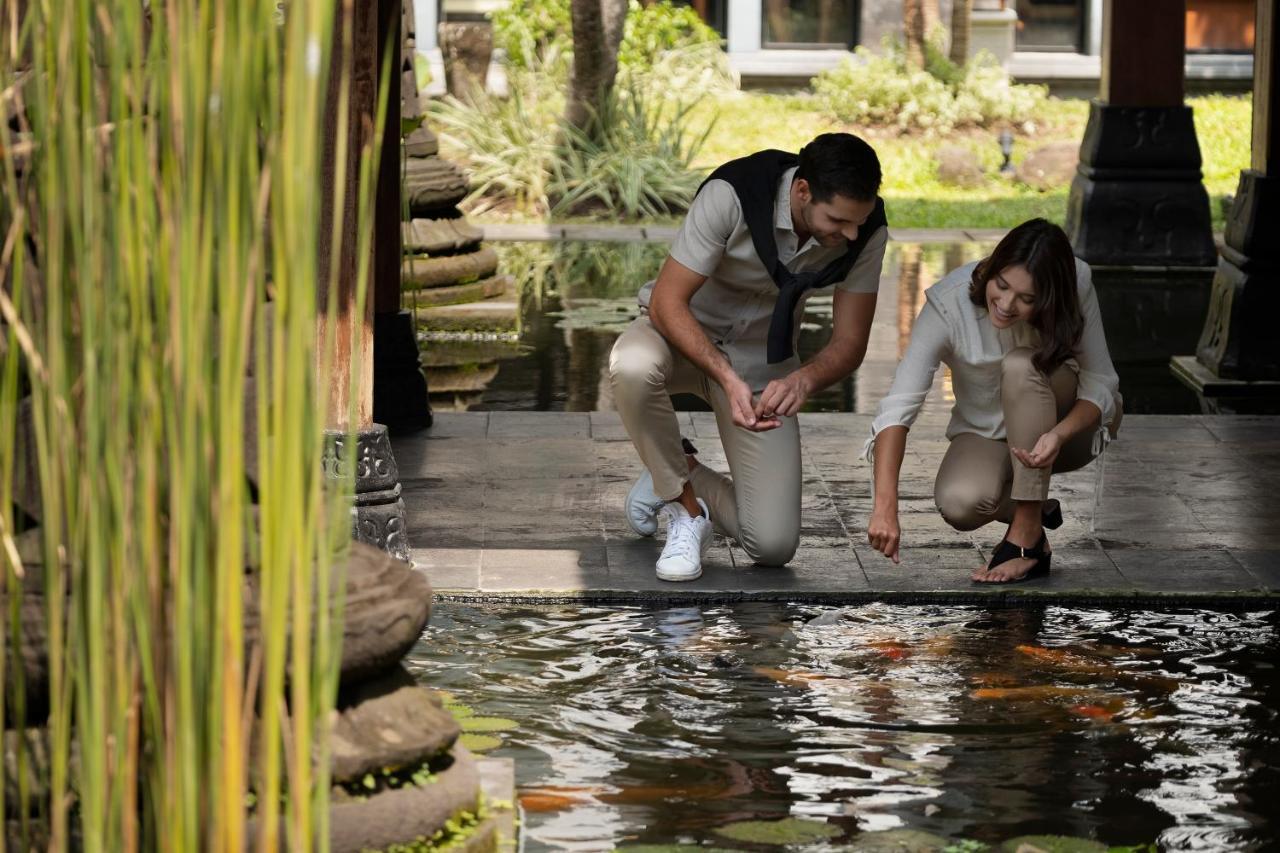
[1138, 197]
[379, 517]
[1239, 350]
[352, 335]
[400, 398]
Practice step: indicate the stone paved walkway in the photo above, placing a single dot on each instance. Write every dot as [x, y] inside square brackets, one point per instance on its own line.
[529, 505]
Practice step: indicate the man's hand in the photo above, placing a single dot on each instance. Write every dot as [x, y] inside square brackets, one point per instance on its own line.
[883, 532]
[1043, 454]
[744, 407]
[784, 397]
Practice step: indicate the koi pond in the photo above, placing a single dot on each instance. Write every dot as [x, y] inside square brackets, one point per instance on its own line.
[575, 298]
[877, 727]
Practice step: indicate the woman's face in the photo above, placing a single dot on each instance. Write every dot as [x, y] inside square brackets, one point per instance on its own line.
[1011, 296]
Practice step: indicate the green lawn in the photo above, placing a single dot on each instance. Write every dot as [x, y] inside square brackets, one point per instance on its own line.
[915, 198]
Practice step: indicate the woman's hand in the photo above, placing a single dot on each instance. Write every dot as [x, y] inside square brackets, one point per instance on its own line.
[1044, 452]
[883, 532]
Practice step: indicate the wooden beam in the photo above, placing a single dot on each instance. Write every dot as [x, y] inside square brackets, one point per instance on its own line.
[1266, 90]
[1143, 52]
[352, 335]
[386, 227]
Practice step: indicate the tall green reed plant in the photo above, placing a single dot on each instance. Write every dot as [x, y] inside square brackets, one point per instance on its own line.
[165, 177]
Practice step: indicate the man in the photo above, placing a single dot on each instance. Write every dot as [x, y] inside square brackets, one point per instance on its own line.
[721, 321]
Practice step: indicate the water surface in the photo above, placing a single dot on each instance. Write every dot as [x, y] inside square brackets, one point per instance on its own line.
[642, 726]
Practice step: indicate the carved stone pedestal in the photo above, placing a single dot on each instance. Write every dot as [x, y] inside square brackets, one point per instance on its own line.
[400, 398]
[1137, 198]
[378, 516]
[1240, 340]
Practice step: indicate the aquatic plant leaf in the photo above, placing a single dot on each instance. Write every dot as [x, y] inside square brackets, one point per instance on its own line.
[670, 848]
[460, 712]
[1051, 844]
[900, 841]
[487, 724]
[790, 830]
[479, 743]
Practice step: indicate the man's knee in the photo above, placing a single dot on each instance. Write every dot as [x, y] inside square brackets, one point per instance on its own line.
[771, 547]
[962, 508]
[632, 364]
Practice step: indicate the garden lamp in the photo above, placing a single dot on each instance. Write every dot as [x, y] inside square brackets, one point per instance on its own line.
[1006, 148]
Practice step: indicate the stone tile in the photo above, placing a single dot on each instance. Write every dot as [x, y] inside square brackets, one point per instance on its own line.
[459, 459]
[539, 425]
[920, 569]
[1083, 570]
[551, 458]
[607, 426]
[1182, 571]
[449, 568]
[561, 566]
[455, 425]
[1263, 565]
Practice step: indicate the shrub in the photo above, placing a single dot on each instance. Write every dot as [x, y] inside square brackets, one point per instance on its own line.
[527, 29]
[883, 90]
[641, 166]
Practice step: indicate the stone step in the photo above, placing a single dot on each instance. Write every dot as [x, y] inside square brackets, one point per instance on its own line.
[439, 236]
[464, 379]
[457, 353]
[421, 142]
[445, 270]
[457, 294]
[497, 314]
[432, 186]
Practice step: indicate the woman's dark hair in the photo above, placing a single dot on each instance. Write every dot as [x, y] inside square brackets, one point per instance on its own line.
[840, 164]
[1044, 250]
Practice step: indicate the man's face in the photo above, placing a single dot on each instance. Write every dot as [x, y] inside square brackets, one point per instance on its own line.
[833, 222]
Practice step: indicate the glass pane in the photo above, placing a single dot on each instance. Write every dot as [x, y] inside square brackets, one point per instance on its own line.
[809, 22]
[1050, 24]
[1220, 25]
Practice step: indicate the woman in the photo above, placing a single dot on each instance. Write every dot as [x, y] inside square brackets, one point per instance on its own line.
[1033, 385]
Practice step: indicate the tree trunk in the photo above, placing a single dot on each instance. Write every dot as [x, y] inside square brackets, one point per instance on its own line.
[597, 32]
[961, 24]
[913, 31]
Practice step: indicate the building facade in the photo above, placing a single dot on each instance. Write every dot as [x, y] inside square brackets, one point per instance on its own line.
[1059, 42]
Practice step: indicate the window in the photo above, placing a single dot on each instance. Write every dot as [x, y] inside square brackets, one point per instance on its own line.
[810, 23]
[1220, 26]
[1056, 25]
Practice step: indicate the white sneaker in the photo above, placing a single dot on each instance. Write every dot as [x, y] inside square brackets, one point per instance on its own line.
[643, 505]
[687, 542]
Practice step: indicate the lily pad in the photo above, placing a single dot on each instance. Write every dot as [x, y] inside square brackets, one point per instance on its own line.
[487, 724]
[1051, 844]
[899, 841]
[460, 712]
[479, 743]
[791, 830]
[670, 848]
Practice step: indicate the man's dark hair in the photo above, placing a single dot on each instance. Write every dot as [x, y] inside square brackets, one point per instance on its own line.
[840, 164]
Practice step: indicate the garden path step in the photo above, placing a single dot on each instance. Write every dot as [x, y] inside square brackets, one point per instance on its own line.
[499, 313]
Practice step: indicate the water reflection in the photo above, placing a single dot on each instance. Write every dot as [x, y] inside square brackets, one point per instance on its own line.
[662, 726]
[577, 297]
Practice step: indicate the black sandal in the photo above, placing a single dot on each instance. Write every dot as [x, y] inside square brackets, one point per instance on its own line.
[1051, 514]
[1007, 551]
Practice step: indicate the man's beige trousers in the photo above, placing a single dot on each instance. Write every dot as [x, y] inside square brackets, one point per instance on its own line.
[979, 480]
[759, 503]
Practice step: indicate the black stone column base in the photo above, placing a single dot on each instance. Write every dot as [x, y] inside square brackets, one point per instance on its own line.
[378, 514]
[400, 397]
[1137, 198]
[1240, 340]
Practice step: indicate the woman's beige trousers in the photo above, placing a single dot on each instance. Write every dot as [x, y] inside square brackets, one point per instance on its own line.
[979, 479]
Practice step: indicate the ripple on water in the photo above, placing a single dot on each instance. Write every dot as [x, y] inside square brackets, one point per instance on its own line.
[660, 726]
